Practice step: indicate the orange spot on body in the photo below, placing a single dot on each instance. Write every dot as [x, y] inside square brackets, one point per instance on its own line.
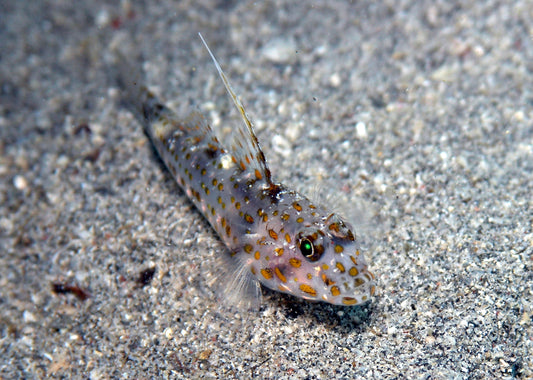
[267, 273]
[280, 275]
[295, 262]
[349, 301]
[327, 280]
[308, 289]
[273, 234]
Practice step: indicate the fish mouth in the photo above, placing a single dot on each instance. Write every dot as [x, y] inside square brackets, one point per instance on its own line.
[350, 291]
[363, 287]
[365, 277]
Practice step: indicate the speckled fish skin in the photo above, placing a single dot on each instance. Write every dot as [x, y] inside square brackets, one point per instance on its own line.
[274, 235]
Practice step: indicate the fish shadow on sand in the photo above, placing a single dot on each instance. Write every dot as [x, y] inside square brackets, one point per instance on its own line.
[343, 319]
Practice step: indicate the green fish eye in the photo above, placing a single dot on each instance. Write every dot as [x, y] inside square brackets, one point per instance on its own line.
[307, 249]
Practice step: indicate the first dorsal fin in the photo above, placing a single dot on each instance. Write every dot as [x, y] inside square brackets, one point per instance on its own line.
[245, 147]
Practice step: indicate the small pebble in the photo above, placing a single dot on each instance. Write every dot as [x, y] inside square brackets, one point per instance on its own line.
[20, 182]
[102, 18]
[360, 129]
[280, 50]
[281, 145]
[335, 80]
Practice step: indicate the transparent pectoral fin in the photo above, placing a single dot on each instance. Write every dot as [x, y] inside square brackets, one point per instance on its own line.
[235, 284]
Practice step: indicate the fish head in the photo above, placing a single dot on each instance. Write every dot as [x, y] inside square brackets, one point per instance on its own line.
[324, 263]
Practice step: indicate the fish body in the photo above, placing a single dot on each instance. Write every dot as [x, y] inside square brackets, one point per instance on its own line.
[275, 236]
